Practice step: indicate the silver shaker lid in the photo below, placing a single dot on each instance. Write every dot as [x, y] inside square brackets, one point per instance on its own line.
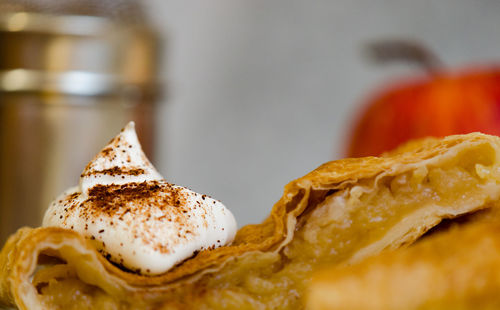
[74, 47]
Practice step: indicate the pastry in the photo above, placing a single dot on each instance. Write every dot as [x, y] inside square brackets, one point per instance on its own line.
[452, 269]
[340, 213]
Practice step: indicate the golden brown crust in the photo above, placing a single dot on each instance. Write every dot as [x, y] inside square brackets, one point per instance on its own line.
[271, 235]
[21, 252]
[452, 269]
[6, 265]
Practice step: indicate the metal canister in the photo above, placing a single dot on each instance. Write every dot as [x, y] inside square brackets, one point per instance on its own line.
[68, 83]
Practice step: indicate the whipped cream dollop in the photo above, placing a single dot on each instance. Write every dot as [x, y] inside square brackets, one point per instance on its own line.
[134, 217]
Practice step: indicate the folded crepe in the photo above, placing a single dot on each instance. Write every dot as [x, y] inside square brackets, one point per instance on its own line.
[455, 269]
[340, 213]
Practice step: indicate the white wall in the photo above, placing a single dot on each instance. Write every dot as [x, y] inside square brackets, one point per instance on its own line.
[262, 91]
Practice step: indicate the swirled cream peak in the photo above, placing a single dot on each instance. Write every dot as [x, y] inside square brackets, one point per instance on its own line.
[135, 218]
[122, 161]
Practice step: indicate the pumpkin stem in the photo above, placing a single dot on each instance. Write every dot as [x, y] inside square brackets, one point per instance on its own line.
[391, 50]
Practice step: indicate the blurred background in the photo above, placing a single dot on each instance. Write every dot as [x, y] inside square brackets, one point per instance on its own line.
[245, 96]
[262, 92]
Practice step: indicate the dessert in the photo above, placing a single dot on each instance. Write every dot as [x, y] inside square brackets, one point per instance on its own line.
[133, 216]
[340, 213]
[452, 269]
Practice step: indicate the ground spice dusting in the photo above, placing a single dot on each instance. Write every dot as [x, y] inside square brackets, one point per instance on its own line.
[107, 151]
[115, 171]
[110, 198]
[143, 200]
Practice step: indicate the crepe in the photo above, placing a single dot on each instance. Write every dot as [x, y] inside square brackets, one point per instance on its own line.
[455, 269]
[340, 213]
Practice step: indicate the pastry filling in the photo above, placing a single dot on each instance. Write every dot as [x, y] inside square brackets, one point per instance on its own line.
[380, 213]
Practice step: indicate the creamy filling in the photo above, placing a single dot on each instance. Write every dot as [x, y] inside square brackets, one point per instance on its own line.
[136, 218]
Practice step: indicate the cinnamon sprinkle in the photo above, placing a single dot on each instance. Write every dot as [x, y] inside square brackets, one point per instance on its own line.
[140, 200]
[114, 171]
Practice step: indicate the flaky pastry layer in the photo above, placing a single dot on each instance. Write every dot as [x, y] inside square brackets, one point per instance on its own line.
[453, 269]
[340, 213]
